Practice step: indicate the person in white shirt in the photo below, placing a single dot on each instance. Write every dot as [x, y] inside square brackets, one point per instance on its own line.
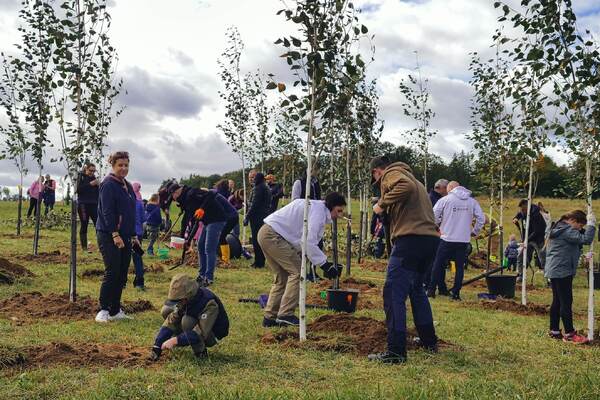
[280, 238]
[454, 214]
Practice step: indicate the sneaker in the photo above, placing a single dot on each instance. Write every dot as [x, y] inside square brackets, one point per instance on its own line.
[575, 338]
[432, 348]
[102, 316]
[290, 320]
[119, 316]
[555, 335]
[270, 323]
[387, 358]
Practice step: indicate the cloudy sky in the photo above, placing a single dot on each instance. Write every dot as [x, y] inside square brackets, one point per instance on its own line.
[168, 59]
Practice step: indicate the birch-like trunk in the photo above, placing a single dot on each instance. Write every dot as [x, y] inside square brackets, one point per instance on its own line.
[526, 239]
[588, 184]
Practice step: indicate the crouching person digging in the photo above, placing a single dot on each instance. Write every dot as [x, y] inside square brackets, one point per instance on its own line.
[194, 316]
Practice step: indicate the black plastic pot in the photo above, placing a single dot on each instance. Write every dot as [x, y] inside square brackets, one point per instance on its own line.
[502, 285]
[596, 280]
[342, 300]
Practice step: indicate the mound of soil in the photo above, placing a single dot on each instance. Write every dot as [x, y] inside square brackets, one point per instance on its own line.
[92, 273]
[370, 296]
[154, 269]
[377, 266]
[479, 260]
[344, 333]
[53, 257]
[34, 305]
[79, 355]
[512, 306]
[9, 271]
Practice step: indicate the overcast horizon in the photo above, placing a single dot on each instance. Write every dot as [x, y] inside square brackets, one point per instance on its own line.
[168, 61]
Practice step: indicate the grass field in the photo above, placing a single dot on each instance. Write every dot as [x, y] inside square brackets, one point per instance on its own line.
[494, 354]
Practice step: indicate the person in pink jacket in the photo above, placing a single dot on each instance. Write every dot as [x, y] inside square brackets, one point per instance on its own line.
[35, 194]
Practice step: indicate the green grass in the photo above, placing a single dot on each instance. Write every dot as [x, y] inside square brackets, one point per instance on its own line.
[499, 355]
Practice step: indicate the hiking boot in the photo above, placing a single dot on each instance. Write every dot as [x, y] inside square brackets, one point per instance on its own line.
[119, 316]
[102, 316]
[574, 337]
[556, 335]
[387, 358]
[431, 293]
[288, 320]
[270, 323]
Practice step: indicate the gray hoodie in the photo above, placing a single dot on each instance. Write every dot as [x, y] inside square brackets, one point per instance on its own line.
[454, 214]
[564, 249]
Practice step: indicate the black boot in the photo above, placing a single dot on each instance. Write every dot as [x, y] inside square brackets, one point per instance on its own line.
[84, 241]
[427, 338]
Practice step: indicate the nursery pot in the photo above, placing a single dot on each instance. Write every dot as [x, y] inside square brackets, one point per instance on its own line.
[342, 300]
[596, 280]
[502, 285]
[163, 254]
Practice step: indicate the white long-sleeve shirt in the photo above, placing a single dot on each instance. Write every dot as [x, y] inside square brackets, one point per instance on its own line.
[288, 221]
[454, 215]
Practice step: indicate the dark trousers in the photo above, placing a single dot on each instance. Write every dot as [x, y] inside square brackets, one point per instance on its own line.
[449, 251]
[229, 225]
[562, 300]
[138, 263]
[428, 283]
[32, 205]
[410, 258]
[86, 212]
[512, 264]
[259, 257]
[116, 264]
[49, 201]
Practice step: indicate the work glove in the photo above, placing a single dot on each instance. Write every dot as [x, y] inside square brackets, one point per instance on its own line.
[591, 219]
[331, 271]
[155, 353]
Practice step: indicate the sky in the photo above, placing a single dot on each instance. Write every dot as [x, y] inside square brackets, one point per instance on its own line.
[168, 55]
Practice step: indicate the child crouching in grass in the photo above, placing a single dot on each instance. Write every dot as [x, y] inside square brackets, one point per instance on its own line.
[566, 240]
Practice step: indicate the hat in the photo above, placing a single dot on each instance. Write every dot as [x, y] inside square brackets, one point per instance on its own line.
[182, 287]
[379, 162]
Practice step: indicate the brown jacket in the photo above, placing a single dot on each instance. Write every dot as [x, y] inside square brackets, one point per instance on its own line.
[406, 202]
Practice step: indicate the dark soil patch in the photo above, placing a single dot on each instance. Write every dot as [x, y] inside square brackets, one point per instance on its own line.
[377, 266]
[53, 257]
[10, 272]
[92, 273]
[479, 260]
[21, 236]
[80, 355]
[370, 296]
[154, 269]
[512, 306]
[34, 305]
[344, 333]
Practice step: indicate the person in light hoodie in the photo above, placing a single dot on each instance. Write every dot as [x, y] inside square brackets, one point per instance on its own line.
[454, 214]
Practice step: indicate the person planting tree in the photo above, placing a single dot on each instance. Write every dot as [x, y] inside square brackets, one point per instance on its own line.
[280, 238]
[115, 230]
[415, 240]
[537, 234]
[259, 209]
[87, 201]
[194, 316]
[567, 237]
[454, 214]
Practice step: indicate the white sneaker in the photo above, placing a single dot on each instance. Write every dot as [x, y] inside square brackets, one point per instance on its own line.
[119, 316]
[102, 316]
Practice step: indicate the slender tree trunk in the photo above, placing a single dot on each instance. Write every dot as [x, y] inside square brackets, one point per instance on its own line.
[334, 248]
[526, 240]
[588, 184]
[73, 269]
[501, 223]
[349, 201]
[245, 195]
[20, 207]
[332, 164]
[491, 215]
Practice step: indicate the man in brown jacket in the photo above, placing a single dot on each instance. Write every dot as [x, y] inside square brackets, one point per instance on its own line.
[415, 239]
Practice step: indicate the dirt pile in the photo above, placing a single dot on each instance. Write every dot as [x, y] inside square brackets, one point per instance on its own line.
[80, 355]
[10, 272]
[377, 266]
[370, 296]
[34, 305]
[512, 306]
[344, 333]
[92, 273]
[53, 257]
[479, 260]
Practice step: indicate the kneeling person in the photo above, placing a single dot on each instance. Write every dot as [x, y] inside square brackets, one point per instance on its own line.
[280, 238]
[194, 316]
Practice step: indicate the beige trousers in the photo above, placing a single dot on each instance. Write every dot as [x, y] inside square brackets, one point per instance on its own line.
[284, 261]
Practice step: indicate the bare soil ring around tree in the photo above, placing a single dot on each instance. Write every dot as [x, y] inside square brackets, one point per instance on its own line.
[10, 272]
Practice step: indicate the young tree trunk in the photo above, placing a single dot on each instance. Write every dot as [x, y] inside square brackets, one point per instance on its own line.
[332, 164]
[349, 201]
[501, 223]
[588, 183]
[73, 261]
[243, 228]
[38, 210]
[526, 240]
[491, 215]
[20, 207]
[334, 249]
[311, 121]
[361, 228]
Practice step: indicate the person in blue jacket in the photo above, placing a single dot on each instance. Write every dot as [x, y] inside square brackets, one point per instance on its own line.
[136, 254]
[115, 231]
[153, 222]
